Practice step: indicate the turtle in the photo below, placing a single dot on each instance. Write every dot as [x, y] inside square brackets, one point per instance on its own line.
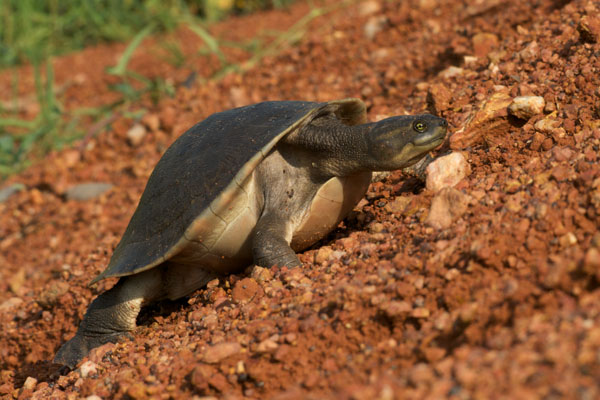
[250, 185]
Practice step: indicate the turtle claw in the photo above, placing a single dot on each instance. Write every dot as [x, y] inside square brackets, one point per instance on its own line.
[73, 351]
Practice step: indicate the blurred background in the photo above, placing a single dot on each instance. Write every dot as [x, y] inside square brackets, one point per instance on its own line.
[48, 101]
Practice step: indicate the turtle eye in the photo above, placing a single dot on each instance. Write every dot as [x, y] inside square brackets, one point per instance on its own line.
[420, 126]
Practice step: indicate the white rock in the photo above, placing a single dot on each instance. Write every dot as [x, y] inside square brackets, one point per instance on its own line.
[88, 368]
[451, 72]
[374, 25]
[446, 171]
[525, 107]
[448, 205]
[30, 383]
[136, 134]
[93, 397]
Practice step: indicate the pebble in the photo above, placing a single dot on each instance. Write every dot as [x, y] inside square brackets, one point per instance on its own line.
[323, 254]
[88, 368]
[589, 28]
[8, 191]
[451, 72]
[221, 351]
[93, 397]
[491, 115]
[152, 121]
[447, 171]
[525, 107]
[439, 96]
[30, 383]
[267, 346]
[368, 8]
[374, 25]
[483, 43]
[245, 290]
[87, 191]
[260, 274]
[448, 205]
[11, 303]
[135, 134]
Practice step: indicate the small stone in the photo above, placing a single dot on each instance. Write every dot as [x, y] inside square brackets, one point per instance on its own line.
[420, 312]
[88, 368]
[489, 119]
[439, 96]
[525, 107]
[323, 254]
[239, 96]
[394, 308]
[87, 191]
[448, 205]
[536, 141]
[50, 296]
[30, 383]
[567, 240]
[11, 303]
[451, 72]
[152, 121]
[8, 191]
[267, 346]
[530, 52]
[374, 25]
[368, 8]
[245, 290]
[136, 134]
[447, 171]
[93, 397]
[221, 351]
[260, 274]
[483, 43]
[589, 29]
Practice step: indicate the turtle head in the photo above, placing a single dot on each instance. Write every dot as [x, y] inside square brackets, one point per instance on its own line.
[401, 141]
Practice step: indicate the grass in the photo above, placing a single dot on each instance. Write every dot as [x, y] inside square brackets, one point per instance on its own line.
[51, 28]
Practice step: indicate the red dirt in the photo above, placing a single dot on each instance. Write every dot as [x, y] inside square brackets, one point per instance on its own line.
[505, 303]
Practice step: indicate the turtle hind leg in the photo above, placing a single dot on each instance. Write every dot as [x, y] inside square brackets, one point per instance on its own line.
[270, 246]
[111, 315]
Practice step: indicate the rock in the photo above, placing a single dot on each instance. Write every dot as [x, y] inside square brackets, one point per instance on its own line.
[448, 205]
[152, 121]
[260, 274]
[374, 25]
[11, 303]
[483, 43]
[88, 368]
[368, 8]
[86, 191]
[8, 191]
[267, 346]
[135, 134]
[221, 351]
[323, 254]
[530, 52]
[245, 290]
[589, 28]
[451, 72]
[93, 397]
[525, 107]
[439, 96]
[30, 383]
[447, 171]
[491, 118]
[50, 296]
[239, 96]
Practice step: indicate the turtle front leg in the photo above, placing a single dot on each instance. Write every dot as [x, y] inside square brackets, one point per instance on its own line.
[111, 315]
[270, 245]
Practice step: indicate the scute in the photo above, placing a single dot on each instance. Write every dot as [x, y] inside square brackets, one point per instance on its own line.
[203, 169]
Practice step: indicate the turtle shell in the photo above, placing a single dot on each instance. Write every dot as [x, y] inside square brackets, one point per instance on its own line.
[201, 167]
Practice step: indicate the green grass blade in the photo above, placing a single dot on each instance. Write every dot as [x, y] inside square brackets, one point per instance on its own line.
[210, 41]
[121, 68]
